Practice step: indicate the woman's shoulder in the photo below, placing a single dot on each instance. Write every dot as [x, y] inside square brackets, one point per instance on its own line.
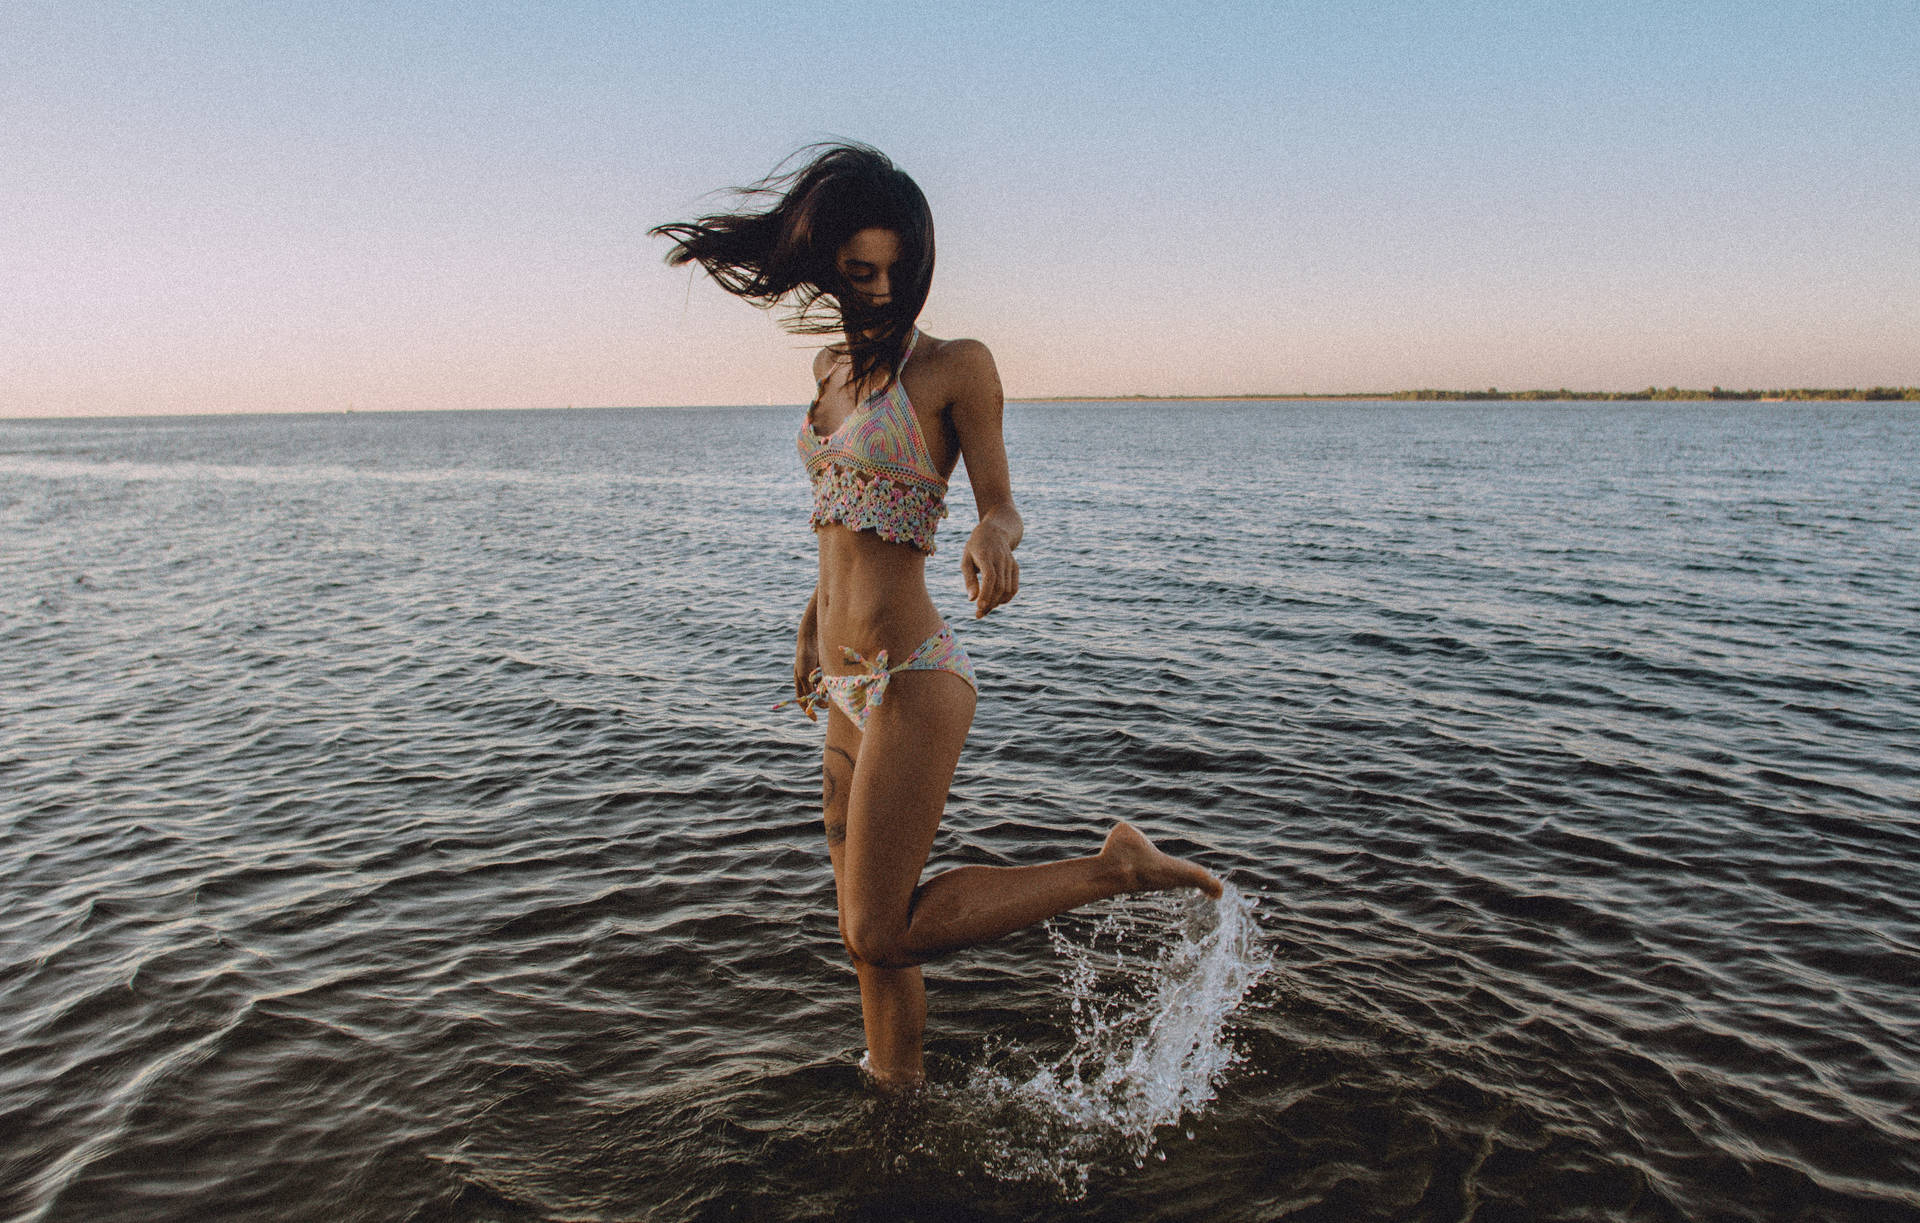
[963, 349]
[825, 359]
[962, 358]
[959, 374]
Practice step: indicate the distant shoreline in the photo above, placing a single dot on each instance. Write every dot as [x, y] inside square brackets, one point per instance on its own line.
[1876, 394]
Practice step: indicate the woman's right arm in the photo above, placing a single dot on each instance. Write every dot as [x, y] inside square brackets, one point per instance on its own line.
[806, 648]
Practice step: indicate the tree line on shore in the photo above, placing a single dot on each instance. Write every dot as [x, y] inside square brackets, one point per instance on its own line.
[1873, 393]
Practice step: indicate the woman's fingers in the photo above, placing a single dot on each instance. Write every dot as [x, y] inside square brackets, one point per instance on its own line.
[801, 688]
[996, 585]
[979, 586]
[989, 572]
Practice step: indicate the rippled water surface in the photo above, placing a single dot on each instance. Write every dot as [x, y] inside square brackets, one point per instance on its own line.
[396, 827]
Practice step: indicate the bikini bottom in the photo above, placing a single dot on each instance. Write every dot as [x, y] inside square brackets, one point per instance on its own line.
[860, 693]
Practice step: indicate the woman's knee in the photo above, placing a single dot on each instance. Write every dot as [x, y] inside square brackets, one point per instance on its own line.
[875, 940]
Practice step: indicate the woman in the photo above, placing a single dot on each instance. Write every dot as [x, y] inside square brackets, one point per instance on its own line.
[848, 241]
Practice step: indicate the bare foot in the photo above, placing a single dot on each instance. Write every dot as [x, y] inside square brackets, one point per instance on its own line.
[1146, 869]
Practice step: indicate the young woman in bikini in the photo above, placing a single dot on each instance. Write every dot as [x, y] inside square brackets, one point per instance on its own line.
[847, 240]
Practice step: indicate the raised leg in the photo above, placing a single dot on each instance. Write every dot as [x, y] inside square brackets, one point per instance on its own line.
[976, 904]
[897, 794]
[883, 794]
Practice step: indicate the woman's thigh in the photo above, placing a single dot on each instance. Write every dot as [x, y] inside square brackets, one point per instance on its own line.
[836, 783]
[895, 790]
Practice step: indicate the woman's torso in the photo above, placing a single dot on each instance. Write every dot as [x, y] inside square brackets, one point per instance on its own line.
[872, 591]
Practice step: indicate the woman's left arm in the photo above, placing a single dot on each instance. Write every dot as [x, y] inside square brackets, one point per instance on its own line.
[987, 566]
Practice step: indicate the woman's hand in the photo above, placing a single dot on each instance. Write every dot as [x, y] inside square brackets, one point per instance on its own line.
[988, 568]
[806, 656]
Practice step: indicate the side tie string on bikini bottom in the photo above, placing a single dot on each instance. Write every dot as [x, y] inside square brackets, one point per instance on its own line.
[857, 694]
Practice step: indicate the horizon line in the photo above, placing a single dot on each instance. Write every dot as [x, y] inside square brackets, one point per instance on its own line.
[1873, 394]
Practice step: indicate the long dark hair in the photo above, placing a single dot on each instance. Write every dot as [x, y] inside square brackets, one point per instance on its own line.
[786, 251]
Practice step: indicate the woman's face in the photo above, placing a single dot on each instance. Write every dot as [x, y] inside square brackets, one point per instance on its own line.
[866, 265]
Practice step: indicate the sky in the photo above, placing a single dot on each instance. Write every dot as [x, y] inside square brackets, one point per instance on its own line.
[264, 207]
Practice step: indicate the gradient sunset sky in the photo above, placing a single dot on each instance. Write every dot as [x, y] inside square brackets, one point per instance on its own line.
[275, 206]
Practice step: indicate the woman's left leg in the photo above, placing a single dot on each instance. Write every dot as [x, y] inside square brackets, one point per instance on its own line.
[896, 797]
[898, 771]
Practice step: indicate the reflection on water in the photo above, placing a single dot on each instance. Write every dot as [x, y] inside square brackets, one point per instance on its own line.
[396, 827]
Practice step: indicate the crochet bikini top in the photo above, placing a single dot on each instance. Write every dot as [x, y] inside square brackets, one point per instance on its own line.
[875, 473]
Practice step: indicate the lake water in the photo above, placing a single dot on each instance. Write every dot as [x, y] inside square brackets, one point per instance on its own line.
[396, 826]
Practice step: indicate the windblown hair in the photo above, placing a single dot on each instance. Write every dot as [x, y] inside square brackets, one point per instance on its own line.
[785, 253]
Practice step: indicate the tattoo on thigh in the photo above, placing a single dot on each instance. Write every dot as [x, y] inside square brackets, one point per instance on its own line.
[830, 790]
[829, 784]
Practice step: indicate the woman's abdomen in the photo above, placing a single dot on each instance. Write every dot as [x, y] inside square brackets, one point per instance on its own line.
[873, 596]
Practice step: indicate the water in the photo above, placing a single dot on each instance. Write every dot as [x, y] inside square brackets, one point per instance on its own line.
[396, 827]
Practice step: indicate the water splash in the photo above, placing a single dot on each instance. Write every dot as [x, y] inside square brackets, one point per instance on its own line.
[1148, 1039]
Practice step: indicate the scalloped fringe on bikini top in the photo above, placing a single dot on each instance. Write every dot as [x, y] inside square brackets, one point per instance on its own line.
[875, 473]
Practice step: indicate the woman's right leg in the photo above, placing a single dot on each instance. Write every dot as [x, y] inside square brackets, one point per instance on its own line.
[893, 1001]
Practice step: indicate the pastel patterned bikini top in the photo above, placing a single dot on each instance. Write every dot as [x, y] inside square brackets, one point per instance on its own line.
[875, 472]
